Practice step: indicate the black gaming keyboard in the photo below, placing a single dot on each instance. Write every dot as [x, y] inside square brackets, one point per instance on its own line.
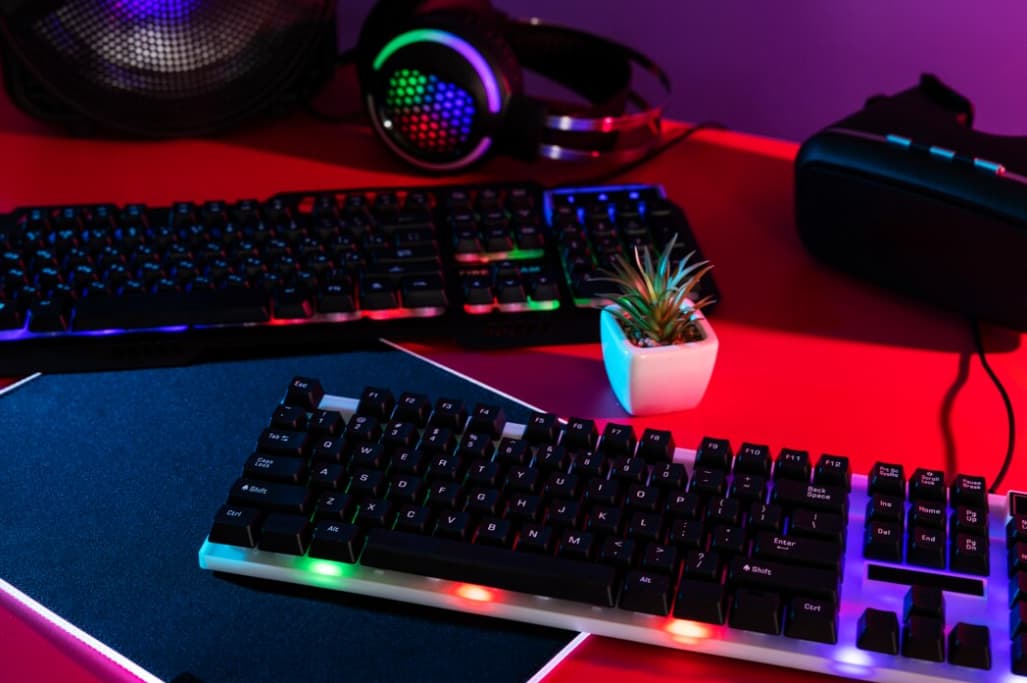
[785, 557]
[97, 286]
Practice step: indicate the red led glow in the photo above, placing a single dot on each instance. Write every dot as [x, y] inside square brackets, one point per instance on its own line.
[469, 591]
[689, 632]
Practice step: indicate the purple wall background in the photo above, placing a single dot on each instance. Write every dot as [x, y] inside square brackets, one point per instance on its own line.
[788, 67]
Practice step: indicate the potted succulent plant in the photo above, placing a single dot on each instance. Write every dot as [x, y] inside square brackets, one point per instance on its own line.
[658, 347]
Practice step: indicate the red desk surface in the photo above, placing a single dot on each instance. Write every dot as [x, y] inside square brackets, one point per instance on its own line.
[809, 358]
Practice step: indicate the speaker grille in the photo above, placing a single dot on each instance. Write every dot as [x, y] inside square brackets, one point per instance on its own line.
[167, 66]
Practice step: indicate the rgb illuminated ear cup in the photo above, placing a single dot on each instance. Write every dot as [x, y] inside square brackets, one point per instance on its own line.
[437, 92]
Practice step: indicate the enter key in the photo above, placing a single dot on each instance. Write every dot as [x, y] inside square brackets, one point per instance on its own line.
[797, 550]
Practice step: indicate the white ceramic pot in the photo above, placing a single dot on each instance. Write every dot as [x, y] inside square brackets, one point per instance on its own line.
[657, 379]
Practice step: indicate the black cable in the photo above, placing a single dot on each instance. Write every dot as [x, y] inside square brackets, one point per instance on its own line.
[1008, 460]
[609, 175]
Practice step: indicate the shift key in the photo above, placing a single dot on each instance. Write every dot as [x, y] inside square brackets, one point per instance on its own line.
[784, 578]
[272, 497]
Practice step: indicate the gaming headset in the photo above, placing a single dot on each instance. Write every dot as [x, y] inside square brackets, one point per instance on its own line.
[443, 85]
[442, 80]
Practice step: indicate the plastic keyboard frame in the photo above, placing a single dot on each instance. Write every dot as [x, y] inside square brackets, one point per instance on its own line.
[842, 659]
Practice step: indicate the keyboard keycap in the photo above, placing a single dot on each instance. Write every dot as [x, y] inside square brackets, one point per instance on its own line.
[969, 491]
[269, 496]
[970, 646]
[283, 533]
[700, 601]
[922, 638]
[646, 591]
[789, 493]
[887, 479]
[878, 631]
[928, 485]
[236, 525]
[523, 572]
[756, 611]
[713, 453]
[335, 541]
[783, 578]
[812, 619]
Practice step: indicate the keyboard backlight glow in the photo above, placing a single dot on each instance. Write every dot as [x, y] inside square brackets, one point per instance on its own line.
[469, 591]
[324, 568]
[852, 662]
[688, 632]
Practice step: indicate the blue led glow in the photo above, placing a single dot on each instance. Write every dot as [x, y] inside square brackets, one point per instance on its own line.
[148, 10]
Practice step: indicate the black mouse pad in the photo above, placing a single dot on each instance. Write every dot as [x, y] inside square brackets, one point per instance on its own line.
[108, 486]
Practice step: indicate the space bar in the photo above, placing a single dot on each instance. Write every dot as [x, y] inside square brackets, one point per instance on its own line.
[166, 309]
[494, 567]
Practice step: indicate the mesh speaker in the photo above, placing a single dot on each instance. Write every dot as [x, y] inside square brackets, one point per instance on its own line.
[163, 67]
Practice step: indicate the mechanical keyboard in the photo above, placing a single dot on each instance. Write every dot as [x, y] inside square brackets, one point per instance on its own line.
[100, 286]
[785, 558]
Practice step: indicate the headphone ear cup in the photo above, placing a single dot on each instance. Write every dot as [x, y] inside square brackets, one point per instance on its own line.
[438, 90]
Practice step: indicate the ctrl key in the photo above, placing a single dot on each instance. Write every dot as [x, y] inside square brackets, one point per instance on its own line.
[811, 619]
[234, 525]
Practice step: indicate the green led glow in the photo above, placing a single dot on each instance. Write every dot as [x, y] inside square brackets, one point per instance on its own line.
[325, 568]
[543, 305]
